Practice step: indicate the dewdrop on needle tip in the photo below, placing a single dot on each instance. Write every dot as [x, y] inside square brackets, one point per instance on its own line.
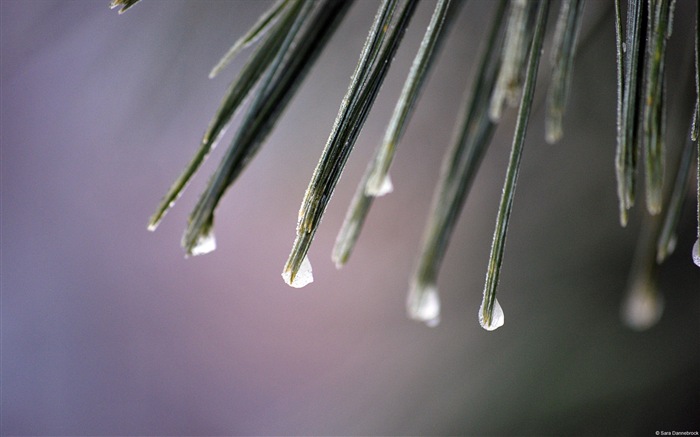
[424, 304]
[303, 277]
[205, 243]
[497, 317]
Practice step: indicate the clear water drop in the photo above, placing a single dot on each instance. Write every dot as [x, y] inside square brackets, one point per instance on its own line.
[205, 243]
[303, 277]
[497, 317]
[696, 252]
[424, 304]
[376, 189]
[643, 307]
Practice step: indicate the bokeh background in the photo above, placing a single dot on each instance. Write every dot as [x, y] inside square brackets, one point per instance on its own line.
[108, 330]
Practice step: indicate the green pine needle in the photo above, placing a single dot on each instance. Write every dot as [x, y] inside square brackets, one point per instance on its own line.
[460, 163]
[667, 238]
[513, 57]
[489, 302]
[659, 28]
[376, 180]
[235, 95]
[265, 22]
[375, 60]
[352, 224]
[437, 30]
[125, 4]
[696, 128]
[628, 57]
[563, 53]
[277, 87]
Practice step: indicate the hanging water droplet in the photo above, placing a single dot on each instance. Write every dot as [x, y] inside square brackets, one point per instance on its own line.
[424, 304]
[643, 307]
[303, 277]
[376, 189]
[696, 252]
[205, 243]
[497, 317]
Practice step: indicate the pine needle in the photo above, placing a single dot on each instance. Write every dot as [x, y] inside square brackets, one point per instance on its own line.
[375, 180]
[264, 23]
[125, 4]
[459, 166]
[653, 120]
[627, 59]
[667, 238]
[489, 303]
[277, 87]
[513, 57]
[563, 53]
[442, 17]
[234, 97]
[374, 63]
[696, 247]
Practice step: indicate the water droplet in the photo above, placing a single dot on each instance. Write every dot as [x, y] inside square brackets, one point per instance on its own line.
[497, 317]
[303, 277]
[424, 304]
[643, 307]
[205, 243]
[379, 189]
[696, 252]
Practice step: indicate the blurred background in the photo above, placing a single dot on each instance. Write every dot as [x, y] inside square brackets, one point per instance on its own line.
[108, 330]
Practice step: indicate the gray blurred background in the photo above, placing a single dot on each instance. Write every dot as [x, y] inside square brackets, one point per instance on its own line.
[108, 330]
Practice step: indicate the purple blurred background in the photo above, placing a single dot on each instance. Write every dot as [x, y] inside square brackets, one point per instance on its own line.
[108, 330]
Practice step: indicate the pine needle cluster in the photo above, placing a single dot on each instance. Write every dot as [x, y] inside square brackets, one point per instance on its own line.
[290, 36]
